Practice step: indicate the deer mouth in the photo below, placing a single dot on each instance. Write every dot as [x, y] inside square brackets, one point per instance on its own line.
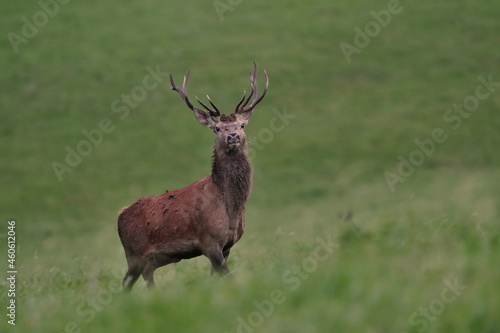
[233, 145]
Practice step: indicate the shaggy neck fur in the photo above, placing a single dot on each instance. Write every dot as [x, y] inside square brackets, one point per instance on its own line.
[232, 172]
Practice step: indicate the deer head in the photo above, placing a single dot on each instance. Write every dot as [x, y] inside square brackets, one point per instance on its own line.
[228, 129]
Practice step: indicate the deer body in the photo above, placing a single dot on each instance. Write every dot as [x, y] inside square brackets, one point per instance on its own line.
[203, 218]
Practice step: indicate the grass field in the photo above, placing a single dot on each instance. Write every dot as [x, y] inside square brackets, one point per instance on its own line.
[375, 205]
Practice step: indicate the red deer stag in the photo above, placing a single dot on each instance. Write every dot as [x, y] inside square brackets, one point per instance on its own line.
[204, 218]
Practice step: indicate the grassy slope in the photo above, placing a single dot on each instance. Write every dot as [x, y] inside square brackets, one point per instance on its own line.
[352, 122]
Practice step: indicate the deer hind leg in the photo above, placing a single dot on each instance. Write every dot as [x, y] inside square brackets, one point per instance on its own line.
[153, 262]
[218, 260]
[135, 269]
[147, 274]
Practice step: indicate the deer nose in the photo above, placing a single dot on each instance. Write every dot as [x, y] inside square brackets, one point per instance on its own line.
[233, 138]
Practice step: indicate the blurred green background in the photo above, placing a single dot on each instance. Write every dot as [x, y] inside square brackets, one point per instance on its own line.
[322, 177]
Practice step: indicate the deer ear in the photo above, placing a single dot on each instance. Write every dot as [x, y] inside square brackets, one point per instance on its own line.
[203, 117]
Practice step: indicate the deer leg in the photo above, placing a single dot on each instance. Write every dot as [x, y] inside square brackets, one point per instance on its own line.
[135, 268]
[152, 264]
[155, 261]
[218, 261]
[226, 255]
[147, 274]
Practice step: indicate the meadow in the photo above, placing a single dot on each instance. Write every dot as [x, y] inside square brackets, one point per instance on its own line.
[375, 204]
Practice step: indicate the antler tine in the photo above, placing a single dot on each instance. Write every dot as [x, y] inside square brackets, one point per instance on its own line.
[213, 113]
[241, 101]
[256, 101]
[184, 82]
[183, 92]
[253, 82]
[246, 102]
[214, 106]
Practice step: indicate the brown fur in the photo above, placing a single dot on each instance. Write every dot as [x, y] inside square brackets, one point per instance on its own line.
[228, 119]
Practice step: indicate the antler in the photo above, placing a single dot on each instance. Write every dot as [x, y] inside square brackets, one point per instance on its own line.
[242, 105]
[183, 92]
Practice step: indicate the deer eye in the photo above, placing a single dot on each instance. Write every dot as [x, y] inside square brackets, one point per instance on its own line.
[243, 125]
[217, 129]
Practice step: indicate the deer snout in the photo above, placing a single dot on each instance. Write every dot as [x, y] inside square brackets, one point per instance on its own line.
[233, 138]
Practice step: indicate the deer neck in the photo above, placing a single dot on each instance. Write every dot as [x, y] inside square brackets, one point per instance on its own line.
[232, 173]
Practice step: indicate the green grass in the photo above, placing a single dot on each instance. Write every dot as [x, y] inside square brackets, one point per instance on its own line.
[321, 177]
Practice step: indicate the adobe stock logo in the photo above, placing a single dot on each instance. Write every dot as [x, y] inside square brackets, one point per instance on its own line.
[89, 308]
[372, 29]
[30, 28]
[454, 116]
[449, 294]
[292, 279]
[119, 106]
[223, 6]
[277, 124]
